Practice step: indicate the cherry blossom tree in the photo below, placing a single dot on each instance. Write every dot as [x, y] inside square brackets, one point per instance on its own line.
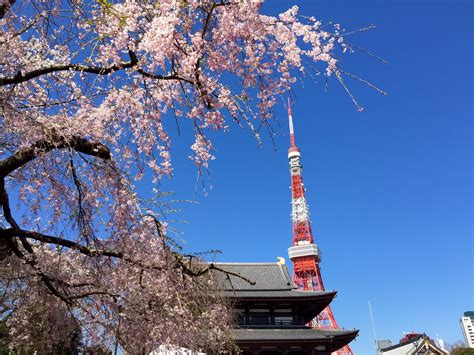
[87, 91]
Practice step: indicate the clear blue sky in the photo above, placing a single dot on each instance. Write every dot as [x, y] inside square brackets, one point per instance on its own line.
[390, 189]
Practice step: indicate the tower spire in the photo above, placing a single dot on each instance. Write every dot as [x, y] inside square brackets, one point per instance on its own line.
[304, 253]
[290, 121]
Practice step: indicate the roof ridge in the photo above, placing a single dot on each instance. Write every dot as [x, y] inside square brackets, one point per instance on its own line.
[406, 342]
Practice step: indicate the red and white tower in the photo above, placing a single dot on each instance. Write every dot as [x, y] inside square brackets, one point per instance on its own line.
[304, 253]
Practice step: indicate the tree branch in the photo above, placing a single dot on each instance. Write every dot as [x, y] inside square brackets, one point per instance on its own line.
[93, 293]
[20, 77]
[162, 77]
[13, 232]
[195, 273]
[5, 203]
[26, 155]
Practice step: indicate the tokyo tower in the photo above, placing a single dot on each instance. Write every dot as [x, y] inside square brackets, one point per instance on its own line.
[304, 253]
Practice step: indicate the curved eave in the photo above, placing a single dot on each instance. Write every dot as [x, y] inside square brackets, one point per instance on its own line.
[305, 304]
[333, 339]
[277, 295]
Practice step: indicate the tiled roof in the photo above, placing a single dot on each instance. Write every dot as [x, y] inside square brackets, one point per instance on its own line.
[289, 334]
[271, 280]
[403, 343]
[417, 342]
[281, 294]
[266, 276]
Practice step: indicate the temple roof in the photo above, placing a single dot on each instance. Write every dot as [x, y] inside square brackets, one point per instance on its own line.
[286, 334]
[413, 345]
[269, 281]
[266, 276]
[329, 339]
[285, 294]
[272, 285]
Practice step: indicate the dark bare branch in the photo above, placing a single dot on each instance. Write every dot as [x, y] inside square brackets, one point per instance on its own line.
[79, 144]
[199, 272]
[46, 280]
[93, 293]
[20, 77]
[162, 77]
[5, 203]
[12, 232]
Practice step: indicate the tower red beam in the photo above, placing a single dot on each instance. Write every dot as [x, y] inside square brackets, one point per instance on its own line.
[304, 253]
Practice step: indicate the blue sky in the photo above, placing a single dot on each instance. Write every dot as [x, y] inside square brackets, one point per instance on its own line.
[390, 189]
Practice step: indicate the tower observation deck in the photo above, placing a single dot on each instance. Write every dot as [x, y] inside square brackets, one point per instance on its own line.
[304, 253]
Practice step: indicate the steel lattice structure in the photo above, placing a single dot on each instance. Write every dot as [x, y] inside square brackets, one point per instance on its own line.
[304, 253]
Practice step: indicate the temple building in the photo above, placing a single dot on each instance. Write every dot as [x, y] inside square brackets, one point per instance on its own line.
[272, 315]
[411, 344]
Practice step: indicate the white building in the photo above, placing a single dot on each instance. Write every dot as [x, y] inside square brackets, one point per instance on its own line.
[172, 350]
[467, 325]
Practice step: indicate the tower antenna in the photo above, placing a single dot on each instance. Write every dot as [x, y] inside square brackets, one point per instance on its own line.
[290, 123]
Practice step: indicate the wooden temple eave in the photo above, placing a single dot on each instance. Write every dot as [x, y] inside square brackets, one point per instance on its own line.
[319, 343]
[302, 308]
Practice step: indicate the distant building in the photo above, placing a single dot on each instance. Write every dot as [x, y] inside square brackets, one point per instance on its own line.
[467, 325]
[410, 344]
[167, 350]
